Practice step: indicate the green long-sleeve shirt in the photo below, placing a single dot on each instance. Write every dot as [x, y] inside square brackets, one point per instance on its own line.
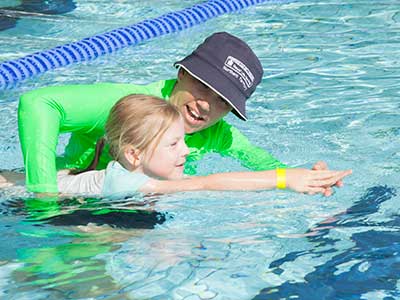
[83, 110]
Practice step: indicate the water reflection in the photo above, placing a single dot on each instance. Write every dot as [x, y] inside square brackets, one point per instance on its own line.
[65, 238]
[370, 265]
[11, 14]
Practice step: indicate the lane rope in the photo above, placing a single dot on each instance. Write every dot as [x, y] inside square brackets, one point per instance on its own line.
[14, 71]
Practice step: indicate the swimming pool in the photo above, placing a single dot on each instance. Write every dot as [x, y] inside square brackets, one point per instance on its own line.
[330, 91]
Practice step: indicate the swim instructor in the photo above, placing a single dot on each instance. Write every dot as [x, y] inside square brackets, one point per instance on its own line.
[218, 77]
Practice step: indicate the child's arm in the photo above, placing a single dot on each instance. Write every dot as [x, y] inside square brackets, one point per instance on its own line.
[299, 180]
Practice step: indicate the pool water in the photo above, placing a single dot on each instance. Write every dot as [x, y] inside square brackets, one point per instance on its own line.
[330, 92]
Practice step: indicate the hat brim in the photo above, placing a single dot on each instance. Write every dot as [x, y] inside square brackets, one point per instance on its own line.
[217, 81]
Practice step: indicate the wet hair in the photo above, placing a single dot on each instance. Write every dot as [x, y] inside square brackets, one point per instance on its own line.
[135, 120]
[138, 121]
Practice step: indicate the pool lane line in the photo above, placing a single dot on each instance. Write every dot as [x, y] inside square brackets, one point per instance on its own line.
[15, 71]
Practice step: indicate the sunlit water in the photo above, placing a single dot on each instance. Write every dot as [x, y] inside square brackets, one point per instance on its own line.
[330, 92]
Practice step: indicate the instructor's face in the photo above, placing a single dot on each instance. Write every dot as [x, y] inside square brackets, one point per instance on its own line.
[200, 106]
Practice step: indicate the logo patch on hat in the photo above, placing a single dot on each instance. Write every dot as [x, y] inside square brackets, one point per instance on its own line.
[240, 71]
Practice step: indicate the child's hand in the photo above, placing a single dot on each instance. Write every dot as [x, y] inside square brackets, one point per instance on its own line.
[314, 181]
[321, 165]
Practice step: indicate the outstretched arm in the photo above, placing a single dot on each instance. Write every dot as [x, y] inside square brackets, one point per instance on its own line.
[299, 180]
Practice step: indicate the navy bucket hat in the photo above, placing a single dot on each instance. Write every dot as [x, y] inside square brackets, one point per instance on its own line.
[228, 66]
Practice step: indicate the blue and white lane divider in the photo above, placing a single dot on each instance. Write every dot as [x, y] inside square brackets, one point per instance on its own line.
[14, 71]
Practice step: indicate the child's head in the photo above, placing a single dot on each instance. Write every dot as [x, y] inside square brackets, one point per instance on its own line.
[146, 134]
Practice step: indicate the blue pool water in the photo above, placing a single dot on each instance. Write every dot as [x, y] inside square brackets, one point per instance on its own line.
[330, 92]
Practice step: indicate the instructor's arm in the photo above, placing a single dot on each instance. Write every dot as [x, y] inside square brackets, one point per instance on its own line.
[46, 112]
[38, 125]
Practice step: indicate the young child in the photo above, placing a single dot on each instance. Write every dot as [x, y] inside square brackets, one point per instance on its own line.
[145, 135]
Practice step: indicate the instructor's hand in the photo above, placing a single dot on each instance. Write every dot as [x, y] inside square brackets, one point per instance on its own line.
[314, 181]
[321, 165]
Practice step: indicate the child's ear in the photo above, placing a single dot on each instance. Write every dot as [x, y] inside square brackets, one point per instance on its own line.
[132, 155]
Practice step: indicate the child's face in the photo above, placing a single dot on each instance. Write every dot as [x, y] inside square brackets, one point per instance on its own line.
[169, 156]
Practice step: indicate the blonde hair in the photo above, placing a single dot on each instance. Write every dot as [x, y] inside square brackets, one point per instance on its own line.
[135, 120]
[140, 121]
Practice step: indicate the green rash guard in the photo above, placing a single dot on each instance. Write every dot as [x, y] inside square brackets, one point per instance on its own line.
[83, 110]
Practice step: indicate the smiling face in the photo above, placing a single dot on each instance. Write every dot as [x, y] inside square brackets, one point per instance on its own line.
[200, 106]
[166, 159]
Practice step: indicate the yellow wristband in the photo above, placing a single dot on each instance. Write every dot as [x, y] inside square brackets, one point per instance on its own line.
[281, 178]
